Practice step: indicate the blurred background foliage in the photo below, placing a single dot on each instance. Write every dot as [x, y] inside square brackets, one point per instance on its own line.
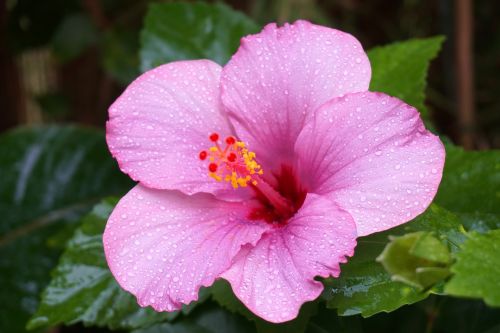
[65, 61]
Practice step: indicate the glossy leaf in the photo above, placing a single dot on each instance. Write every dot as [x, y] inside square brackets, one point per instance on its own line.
[50, 176]
[182, 31]
[477, 268]
[363, 279]
[400, 69]
[82, 288]
[471, 181]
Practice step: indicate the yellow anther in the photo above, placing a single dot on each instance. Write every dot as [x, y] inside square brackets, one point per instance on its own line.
[233, 164]
[215, 176]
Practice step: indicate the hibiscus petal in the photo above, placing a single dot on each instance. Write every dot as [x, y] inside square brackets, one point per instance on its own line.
[158, 126]
[371, 154]
[277, 77]
[162, 246]
[274, 278]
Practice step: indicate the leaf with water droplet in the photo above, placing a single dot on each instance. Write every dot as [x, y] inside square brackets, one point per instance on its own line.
[83, 290]
[362, 278]
[50, 177]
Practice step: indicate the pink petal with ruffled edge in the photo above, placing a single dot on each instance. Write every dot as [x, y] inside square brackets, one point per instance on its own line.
[274, 278]
[162, 246]
[158, 126]
[279, 76]
[371, 154]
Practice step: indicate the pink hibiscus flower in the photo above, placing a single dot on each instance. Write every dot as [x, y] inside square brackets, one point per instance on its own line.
[262, 172]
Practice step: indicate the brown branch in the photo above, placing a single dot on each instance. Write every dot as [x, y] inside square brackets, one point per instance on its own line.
[465, 72]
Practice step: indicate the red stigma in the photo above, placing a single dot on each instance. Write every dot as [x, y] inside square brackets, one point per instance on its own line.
[214, 137]
[203, 155]
[212, 167]
[230, 140]
[231, 157]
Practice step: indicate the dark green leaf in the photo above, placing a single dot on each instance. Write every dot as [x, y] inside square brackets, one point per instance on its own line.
[181, 31]
[51, 176]
[53, 105]
[477, 268]
[75, 34]
[206, 319]
[456, 315]
[32, 24]
[471, 181]
[179, 327]
[400, 69]
[82, 288]
[364, 287]
[327, 321]
[120, 54]
[223, 294]
[437, 314]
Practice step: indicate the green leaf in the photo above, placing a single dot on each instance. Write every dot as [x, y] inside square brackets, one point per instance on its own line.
[181, 31]
[82, 288]
[477, 268]
[327, 321]
[400, 69]
[364, 287]
[51, 176]
[471, 181]
[418, 259]
[430, 248]
[206, 319]
[223, 294]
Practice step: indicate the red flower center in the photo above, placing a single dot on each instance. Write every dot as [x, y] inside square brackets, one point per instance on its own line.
[277, 197]
[289, 188]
